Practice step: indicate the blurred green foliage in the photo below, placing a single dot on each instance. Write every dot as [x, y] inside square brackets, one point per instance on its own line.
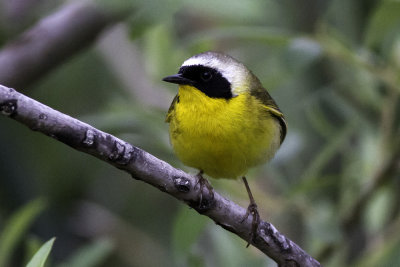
[40, 257]
[16, 227]
[333, 68]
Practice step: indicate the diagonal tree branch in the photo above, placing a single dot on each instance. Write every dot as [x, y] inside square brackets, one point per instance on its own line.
[145, 167]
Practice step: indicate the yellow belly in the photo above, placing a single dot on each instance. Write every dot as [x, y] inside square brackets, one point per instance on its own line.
[224, 138]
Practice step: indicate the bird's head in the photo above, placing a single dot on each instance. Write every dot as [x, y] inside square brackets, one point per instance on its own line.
[216, 75]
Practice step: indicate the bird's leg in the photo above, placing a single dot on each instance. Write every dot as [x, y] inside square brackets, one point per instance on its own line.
[204, 183]
[251, 209]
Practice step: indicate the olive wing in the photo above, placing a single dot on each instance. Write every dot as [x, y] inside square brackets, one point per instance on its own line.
[269, 104]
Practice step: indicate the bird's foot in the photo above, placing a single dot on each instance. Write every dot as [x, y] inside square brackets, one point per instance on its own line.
[251, 209]
[203, 183]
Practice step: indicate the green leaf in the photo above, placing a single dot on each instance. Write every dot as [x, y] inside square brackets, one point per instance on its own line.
[384, 24]
[32, 245]
[243, 11]
[91, 255]
[41, 255]
[379, 210]
[228, 250]
[310, 178]
[149, 13]
[187, 228]
[266, 35]
[16, 227]
[384, 254]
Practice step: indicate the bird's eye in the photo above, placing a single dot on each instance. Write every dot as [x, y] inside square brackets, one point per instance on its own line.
[206, 76]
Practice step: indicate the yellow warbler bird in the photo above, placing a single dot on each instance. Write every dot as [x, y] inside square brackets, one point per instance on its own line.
[223, 121]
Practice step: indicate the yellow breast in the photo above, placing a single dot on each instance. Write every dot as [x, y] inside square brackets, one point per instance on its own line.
[222, 137]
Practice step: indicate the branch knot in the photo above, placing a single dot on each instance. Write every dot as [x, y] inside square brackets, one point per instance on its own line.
[9, 107]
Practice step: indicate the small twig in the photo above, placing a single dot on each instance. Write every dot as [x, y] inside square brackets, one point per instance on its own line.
[144, 166]
[51, 41]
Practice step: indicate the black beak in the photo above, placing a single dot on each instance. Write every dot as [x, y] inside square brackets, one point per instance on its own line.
[178, 79]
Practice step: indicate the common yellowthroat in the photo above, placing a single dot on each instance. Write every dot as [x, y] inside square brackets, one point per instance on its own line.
[223, 121]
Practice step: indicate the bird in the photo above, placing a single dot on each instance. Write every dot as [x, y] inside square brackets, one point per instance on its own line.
[223, 122]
